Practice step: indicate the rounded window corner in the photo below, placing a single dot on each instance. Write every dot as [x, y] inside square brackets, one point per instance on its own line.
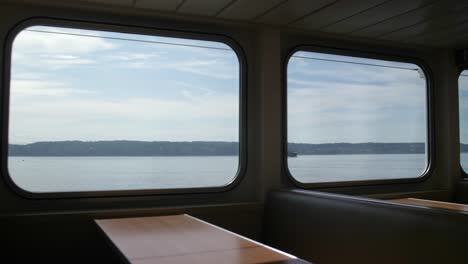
[424, 72]
[227, 42]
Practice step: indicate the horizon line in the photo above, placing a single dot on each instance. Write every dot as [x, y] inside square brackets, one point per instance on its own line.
[211, 141]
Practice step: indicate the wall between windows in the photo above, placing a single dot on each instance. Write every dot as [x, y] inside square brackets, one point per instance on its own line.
[444, 75]
[265, 49]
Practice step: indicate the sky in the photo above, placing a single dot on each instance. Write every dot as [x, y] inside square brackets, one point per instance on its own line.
[333, 102]
[463, 105]
[68, 87]
[75, 87]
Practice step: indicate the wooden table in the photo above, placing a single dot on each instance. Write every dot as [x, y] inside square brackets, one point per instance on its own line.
[434, 204]
[185, 239]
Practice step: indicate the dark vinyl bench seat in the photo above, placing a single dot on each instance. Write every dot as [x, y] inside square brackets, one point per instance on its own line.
[328, 228]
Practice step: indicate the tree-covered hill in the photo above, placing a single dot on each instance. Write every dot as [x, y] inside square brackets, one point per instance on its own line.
[200, 148]
[125, 148]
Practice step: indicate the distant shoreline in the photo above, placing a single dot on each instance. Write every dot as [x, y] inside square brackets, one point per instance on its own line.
[127, 148]
[201, 156]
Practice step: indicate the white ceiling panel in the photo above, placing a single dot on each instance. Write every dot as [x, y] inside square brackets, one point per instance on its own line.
[437, 23]
[411, 18]
[292, 10]
[334, 13]
[248, 9]
[163, 5]
[112, 2]
[429, 26]
[459, 41]
[203, 7]
[374, 15]
[446, 34]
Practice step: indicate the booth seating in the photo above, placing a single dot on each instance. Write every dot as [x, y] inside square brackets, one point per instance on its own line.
[328, 228]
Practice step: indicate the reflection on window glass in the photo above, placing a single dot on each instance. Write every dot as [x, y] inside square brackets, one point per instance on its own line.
[354, 119]
[463, 106]
[94, 110]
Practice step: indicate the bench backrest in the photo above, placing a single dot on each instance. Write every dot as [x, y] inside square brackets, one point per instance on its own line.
[327, 228]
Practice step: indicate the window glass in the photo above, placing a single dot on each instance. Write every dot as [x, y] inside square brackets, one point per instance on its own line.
[355, 119]
[463, 105]
[95, 111]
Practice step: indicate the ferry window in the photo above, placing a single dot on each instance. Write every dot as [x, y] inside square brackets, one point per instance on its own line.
[355, 119]
[463, 106]
[104, 111]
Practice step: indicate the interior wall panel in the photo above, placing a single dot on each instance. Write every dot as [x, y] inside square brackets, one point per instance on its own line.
[244, 191]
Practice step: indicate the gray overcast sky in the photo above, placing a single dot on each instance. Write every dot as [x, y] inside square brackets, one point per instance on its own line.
[463, 105]
[85, 88]
[82, 88]
[332, 102]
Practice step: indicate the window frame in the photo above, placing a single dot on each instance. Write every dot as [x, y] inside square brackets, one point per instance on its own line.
[183, 33]
[352, 52]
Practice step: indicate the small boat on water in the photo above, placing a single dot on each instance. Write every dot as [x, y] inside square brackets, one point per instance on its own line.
[292, 154]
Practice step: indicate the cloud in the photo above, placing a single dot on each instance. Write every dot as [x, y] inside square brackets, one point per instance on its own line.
[151, 109]
[51, 105]
[358, 105]
[48, 61]
[351, 73]
[201, 90]
[463, 83]
[47, 43]
[463, 106]
[214, 68]
[56, 52]
[59, 61]
[129, 56]
[132, 60]
[323, 96]
[49, 51]
[42, 88]
[323, 87]
[177, 60]
[27, 75]
[206, 118]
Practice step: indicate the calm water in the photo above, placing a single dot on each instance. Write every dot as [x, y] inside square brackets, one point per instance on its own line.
[332, 168]
[52, 174]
